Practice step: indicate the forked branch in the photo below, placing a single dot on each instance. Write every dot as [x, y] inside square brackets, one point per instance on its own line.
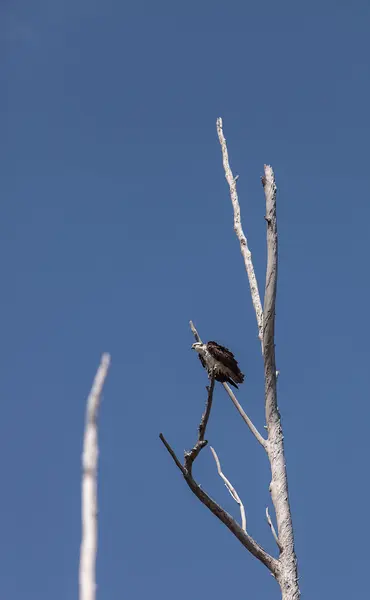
[186, 470]
[284, 568]
[248, 542]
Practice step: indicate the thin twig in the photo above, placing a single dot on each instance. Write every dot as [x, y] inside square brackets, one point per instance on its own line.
[254, 430]
[89, 486]
[246, 253]
[231, 489]
[273, 529]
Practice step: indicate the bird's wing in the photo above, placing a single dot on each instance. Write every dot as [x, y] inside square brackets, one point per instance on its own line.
[226, 357]
[202, 361]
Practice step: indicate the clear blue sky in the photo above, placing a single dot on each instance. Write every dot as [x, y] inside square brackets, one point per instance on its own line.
[116, 229]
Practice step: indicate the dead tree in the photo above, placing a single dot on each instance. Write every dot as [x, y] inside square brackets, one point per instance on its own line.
[89, 500]
[283, 568]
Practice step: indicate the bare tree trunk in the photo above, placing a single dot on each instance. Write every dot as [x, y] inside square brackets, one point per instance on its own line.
[288, 578]
[89, 541]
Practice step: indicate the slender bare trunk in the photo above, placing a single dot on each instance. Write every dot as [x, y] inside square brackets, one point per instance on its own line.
[89, 500]
[287, 578]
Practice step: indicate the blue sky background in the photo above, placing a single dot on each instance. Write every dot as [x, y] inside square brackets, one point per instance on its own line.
[116, 229]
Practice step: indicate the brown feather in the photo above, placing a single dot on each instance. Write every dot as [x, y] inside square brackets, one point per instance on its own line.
[225, 357]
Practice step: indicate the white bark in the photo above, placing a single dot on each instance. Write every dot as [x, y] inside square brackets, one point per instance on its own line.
[284, 569]
[230, 489]
[186, 469]
[288, 575]
[245, 417]
[272, 529]
[89, 506]
[246, 253]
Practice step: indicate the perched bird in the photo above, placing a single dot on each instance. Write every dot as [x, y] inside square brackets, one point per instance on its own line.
[220, 362]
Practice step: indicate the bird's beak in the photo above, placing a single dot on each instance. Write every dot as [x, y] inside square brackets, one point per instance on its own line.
[193, 347]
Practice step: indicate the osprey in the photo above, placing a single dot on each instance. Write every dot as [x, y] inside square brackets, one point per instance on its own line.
[220, 362]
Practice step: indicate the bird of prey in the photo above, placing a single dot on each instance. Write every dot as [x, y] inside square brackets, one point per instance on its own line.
[219, 362]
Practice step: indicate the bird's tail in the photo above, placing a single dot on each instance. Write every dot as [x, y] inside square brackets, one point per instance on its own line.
[232, 383]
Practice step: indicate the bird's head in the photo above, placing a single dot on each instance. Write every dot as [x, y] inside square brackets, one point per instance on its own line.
[198, 346]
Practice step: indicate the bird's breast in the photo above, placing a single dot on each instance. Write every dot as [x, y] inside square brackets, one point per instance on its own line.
[211, 362]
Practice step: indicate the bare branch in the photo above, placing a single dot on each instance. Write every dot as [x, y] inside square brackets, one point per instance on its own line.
[231, 489]
[186, 470]
[205, 416]
[89, 486]
[192, 454]
[248, 542]
[231, 180]
[288, 577]
[201, 442]
[195, 333]
[244, 415]
[172, 453]
[272, 528]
